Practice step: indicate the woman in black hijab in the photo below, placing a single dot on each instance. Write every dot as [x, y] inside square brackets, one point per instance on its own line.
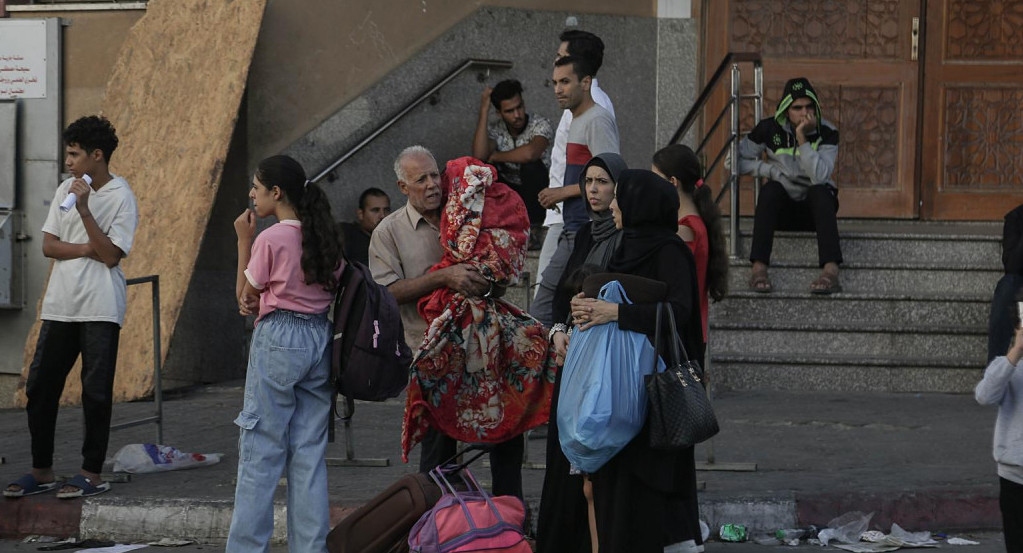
[563, 508]
[645, 499]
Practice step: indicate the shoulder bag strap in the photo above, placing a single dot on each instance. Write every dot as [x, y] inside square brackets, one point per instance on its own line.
[676, 341]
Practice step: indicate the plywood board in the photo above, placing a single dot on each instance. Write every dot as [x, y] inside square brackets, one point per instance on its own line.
[173, 97]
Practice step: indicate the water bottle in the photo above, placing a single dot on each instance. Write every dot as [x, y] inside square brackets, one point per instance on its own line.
[790, 534]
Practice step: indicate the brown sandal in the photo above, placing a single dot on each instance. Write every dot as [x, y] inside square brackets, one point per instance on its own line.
[825, 284]
[760, 283]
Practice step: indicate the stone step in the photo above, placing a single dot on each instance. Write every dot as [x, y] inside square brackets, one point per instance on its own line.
[967, 249]
[857, 339]
[732, 371]
[967, 310]
[878, 278]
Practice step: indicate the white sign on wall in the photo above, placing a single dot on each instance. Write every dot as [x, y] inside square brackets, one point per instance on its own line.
[22, 59]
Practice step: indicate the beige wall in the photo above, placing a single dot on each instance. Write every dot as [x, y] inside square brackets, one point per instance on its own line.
[92, 40]
[347, 46]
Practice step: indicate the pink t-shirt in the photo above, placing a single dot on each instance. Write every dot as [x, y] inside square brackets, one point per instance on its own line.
[275, 269]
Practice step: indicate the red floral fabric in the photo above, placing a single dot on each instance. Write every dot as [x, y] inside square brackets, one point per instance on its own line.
[485, 369]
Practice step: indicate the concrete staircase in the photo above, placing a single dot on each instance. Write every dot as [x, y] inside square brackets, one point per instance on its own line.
[912, 316]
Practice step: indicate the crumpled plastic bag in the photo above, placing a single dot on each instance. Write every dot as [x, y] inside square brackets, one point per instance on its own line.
[846, 528]
[909, 537]
[142, 458]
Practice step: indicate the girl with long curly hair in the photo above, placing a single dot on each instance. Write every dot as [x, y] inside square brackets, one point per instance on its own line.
[287, 276]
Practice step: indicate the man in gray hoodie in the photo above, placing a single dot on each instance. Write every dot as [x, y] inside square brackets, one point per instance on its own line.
[800, 195]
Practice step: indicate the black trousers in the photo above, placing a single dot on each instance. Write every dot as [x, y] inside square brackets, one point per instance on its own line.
[776, 210]
[505, 460]
[1010, 499]
[58, 347]
[534, 177]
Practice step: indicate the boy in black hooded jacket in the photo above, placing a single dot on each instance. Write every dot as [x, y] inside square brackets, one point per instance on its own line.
[800, 195]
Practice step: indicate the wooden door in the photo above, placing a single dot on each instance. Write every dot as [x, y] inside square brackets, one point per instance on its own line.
[973, 109]
[858, 55]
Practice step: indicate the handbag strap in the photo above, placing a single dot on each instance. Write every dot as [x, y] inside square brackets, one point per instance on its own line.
[676, 340]
[660, 330]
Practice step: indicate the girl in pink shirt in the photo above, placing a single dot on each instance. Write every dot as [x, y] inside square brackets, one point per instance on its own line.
[699, 222]
[288, 275]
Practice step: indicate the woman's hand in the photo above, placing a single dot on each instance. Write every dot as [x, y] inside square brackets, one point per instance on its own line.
[590, 312]
[560, 341]
[248, 304]
[245, 225]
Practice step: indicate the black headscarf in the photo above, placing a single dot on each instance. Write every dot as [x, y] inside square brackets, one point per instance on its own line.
[603, 232]
[649, 206]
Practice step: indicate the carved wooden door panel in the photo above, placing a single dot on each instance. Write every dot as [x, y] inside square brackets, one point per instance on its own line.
[972, 167]
[858, 55]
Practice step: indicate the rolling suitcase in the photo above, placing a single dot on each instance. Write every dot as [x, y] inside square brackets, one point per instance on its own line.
[383, 524]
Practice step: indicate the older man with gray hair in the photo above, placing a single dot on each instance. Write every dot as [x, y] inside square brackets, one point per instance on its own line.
[407, 243]
[401, 251]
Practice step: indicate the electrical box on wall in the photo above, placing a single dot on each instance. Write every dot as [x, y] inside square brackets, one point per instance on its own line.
[11, 261]
[12, 265]
[8, 153]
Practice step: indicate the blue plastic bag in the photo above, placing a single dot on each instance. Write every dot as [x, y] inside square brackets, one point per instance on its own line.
[603, 399]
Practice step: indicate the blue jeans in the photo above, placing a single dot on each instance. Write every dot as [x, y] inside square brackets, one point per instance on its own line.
[284, 426]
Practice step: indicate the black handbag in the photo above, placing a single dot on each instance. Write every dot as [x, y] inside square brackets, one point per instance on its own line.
[680, 413]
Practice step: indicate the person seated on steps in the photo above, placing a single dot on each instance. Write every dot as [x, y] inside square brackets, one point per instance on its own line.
[799, 194]
[518, 145]
[1009, 287]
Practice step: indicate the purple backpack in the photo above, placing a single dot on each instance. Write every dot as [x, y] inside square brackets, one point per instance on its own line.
[370, 360]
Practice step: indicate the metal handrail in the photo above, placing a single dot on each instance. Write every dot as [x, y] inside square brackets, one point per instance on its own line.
[465, 66]
[157, 371]
[732, 145]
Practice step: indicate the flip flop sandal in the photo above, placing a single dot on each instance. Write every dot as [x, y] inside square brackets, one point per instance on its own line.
[830, 285]
[29, 486]
[760, 283]
[85, 488]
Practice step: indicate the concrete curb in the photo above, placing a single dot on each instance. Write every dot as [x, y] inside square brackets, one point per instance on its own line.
[207, 521]
[201, 520]
[934, 509]
[41, 514]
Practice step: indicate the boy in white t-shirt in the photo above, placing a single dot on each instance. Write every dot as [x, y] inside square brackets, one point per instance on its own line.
[83, 308]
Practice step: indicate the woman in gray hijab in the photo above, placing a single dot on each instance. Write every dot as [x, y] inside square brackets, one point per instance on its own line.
[563, 524]
[597, 240]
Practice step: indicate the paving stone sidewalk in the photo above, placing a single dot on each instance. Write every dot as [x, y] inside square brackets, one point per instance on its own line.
[922, 460]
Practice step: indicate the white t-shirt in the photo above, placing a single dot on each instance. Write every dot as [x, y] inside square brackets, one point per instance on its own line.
[559, 151]
[84, 289]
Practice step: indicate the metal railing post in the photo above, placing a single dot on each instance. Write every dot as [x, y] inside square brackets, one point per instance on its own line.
[733, 216]
[157, 370]
[157, 418]
[758, 114]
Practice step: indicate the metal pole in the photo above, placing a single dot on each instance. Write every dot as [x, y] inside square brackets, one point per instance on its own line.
[158, 385]
[733, 180]
[758, 114]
